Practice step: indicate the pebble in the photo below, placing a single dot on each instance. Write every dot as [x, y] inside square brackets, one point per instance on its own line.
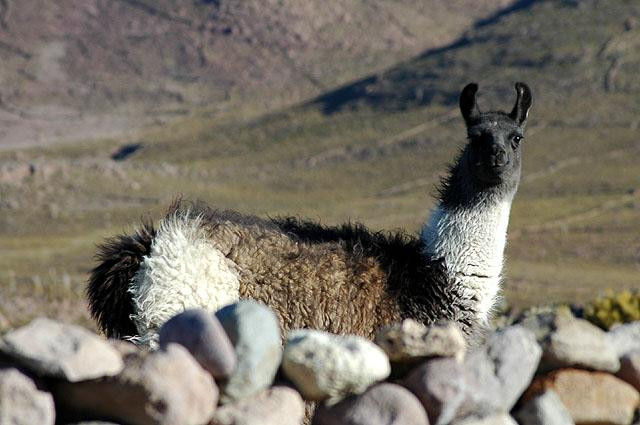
[163, 387]
[544, 409]
[277, 405]
[590, 397]
[21, 402]
[411, 340]
[202, 334]
[255, 334]
[326, 366]
[51, 348]
[630, 369]
[576, 342]
[381, 404]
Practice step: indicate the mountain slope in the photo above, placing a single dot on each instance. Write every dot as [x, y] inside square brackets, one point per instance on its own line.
[101, 67]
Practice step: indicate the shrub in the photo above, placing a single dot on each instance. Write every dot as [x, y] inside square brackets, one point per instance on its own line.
[612, 308]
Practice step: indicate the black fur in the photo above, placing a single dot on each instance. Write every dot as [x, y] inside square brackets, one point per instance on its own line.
[109, 300]
[494, 138]
[468, 105]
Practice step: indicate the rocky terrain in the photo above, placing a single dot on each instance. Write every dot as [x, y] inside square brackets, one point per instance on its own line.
[547, 367]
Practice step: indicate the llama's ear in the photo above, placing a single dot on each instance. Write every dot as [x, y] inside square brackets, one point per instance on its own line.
[523, 104]
[468, 105]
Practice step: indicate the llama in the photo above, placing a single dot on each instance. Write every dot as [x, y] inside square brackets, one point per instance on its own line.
[343, 279]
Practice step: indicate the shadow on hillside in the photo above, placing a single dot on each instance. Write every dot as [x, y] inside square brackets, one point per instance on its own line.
[417, 82]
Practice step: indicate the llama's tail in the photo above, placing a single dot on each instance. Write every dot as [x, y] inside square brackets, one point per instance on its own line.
[146, 278]
[110, 299]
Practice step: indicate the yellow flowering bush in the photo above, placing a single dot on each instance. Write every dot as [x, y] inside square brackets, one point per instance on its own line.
[612, 308]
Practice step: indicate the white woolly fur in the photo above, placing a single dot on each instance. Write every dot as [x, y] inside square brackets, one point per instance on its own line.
[183, 270]
[472, 242]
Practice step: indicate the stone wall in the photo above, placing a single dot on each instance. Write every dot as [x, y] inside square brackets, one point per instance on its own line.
[231, 368]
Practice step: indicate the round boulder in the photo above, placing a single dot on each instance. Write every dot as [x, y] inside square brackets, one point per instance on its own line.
[326, 366]
[202, 334]
[382, 404]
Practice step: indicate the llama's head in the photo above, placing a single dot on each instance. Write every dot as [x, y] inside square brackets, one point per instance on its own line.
[493, 155]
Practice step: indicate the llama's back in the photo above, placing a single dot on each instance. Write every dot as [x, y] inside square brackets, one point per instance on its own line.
[316, 284]
[200, 257]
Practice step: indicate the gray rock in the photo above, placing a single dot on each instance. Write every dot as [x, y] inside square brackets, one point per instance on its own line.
[21, 403]
[202, 334]
[164, 387]
[94, 423]
[497, 419]
[255, 334]
[576, 342]
[123, 347]
[541, 320]
[275, 406]
[441, 386]
[630, 369]
[382, 404]
[410, 340]
[326, 366]
[55, 349]
[625, 338]
[515, 355]
[491, 379]
[483, 389]
[544, 409]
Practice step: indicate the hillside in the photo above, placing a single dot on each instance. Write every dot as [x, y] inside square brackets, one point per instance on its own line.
[373, 151]
[87, 69]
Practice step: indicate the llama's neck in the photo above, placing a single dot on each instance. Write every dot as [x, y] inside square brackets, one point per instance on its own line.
[471, 240]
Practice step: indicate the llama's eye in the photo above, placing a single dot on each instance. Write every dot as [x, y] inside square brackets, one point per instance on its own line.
[515, 141]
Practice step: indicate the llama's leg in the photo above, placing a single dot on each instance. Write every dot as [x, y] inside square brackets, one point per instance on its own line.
[184, 270]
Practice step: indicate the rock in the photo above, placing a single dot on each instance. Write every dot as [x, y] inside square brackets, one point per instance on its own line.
[576, 342]
[326, 366]
[202, 334]
[515, 355]
[544, 409]
[277, 405]
[21, 402]
[497, 419]
[382, 404]
[55, 349]
[625, 338]
[440, 384]
[630, 369]
[255, 334]
[590, 397]
[541, 319]
[483, 389]
[94, 423]
[490, 380]
[410, 340]
[164, 387]
[123, 347]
